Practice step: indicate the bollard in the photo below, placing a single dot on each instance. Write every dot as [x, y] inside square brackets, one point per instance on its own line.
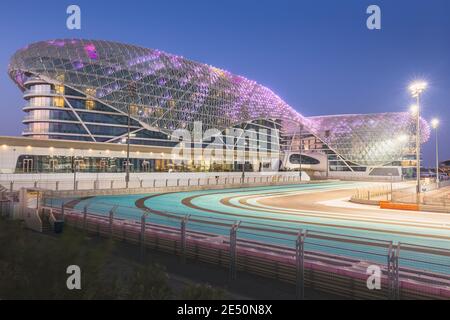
[57, 186]
[11, 186]
[112, 184]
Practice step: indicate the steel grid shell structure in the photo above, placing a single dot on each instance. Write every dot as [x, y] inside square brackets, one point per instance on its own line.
[370, 139]
[165, 92]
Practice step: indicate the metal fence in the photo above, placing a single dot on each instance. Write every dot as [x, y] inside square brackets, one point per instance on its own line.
[6, 208]
[378, 193]
[431, 271]
[327, 262]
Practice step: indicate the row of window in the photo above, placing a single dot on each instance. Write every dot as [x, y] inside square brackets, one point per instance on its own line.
[67, 164]
[68, 115]
[72, 128]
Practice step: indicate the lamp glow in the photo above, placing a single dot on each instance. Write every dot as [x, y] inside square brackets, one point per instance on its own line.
[414, 108]
[403, 138]
[435, 123]
[417, 88]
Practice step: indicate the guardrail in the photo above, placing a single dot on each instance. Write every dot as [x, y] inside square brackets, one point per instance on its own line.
[327, 262]
[136, 183]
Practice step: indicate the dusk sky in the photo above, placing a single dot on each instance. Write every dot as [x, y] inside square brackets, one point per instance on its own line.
[317, 55]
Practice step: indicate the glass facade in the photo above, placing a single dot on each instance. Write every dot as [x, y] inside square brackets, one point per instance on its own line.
[67, 164]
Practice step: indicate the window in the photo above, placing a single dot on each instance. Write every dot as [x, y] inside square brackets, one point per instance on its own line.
[59, 89]
[41, 88]
[40, 102]
[295, 159]
[90, 105]
[59, 102]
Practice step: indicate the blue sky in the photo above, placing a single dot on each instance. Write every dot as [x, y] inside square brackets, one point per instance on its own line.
[317, 55]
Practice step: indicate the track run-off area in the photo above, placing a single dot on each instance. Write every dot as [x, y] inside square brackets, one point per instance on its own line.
[267, 211]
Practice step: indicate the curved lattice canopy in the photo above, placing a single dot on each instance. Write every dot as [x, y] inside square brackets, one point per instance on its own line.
[168, 92]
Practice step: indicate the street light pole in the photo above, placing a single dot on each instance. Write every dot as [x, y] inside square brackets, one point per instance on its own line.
[300, 148]
[435, 125]
[243, 163]
[417, 89]
[131, 94]
[418, 145]
[127, 169]
[74, 169]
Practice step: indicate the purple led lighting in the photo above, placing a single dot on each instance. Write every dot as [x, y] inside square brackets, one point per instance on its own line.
[57, 43]
[77, 65]
[198, 92]
[91, 51]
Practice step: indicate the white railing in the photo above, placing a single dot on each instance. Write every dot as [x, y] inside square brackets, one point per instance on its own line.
[71, 183]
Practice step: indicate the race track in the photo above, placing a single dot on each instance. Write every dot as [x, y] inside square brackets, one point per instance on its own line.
[316, 207]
